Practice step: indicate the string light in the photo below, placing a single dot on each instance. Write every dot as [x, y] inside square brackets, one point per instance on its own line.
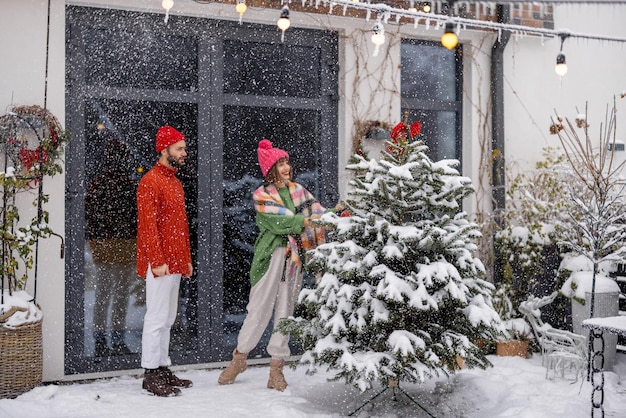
[412, 7]
[283, 22]
[426, 7]
[167, 5]
[378, 36]
[241, 9]
[449, 38]
[561, 66]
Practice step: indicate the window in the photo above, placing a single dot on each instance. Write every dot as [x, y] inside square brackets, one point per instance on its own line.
[431, 83]
[225, 86]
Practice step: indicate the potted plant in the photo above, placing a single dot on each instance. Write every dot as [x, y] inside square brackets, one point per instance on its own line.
[31, 141]
[514, 341]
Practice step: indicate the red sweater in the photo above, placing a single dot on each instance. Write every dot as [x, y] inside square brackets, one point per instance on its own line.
[162, 229]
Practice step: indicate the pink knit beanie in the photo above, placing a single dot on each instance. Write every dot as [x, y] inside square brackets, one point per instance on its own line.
[167, 136]
[269, 155]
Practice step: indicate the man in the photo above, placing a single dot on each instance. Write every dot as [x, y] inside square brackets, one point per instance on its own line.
[163, 257]
[111, 216]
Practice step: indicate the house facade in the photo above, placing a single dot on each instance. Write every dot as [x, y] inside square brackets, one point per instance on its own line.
[113, 71]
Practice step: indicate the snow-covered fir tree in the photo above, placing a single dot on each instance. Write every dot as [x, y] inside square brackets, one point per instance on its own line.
[400, 295]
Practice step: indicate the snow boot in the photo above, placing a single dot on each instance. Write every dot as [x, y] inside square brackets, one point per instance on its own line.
[172, 379]
[154, 383]
[237, 365]
[277, 378]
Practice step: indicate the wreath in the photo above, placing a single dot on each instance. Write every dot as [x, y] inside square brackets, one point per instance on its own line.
[33, 141]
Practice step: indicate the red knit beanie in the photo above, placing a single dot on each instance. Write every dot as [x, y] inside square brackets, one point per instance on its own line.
[167, 136]
[268, 156]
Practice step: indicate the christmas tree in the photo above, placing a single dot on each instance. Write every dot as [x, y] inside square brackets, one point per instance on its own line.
[400, 295]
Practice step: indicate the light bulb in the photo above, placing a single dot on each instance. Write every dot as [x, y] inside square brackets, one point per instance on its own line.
[561, 66]
[167, 4]
[378, 36]
[449, 38]
[283, 23]
[426, 7]
[241, 9]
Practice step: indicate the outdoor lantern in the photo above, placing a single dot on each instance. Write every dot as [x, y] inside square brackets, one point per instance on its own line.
[412, 8]
[426, 7]
[378, 36]
[449, 38]
[283, 23]
[561, 66]
[241, 9]
[167, 5]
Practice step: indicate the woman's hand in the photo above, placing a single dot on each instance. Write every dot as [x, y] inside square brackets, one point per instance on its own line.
[307, 221]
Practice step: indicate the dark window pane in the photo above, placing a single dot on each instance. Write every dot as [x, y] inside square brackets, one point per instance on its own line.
[144, 60]
[430, 83]
[119, 149]
[428, 72]
[271, 70]
[438, 131]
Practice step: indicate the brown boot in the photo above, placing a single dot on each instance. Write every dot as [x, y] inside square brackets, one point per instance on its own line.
[277, 378]
[237, 365]
[154, 383]
[172, 380]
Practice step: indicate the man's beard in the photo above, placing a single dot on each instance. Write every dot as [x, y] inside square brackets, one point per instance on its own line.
[174, 162]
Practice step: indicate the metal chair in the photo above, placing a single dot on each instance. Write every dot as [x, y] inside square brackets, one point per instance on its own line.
[562, 351]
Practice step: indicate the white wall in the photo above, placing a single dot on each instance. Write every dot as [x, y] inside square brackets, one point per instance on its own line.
[532, 91]
[22, 80]
[595, 75]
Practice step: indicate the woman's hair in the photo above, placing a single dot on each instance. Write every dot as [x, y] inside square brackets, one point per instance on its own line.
[273, 176]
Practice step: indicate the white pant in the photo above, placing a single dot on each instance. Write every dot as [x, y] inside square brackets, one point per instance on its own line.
[162, 306]
[270, 295]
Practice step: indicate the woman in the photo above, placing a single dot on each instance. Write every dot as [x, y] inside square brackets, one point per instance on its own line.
[284, 210]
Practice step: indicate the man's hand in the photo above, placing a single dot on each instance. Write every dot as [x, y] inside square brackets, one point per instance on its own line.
[190, 271]
[163, 270]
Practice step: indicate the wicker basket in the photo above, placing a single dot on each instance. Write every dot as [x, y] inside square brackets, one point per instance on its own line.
[21, 359]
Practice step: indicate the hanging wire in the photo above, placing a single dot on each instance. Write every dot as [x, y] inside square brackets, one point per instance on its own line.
[468, 23]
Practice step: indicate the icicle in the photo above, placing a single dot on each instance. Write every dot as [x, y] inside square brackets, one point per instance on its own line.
[427, 24]
[368, 15]
[330, 7]
[345, 9]
[499, 35]
[167, 16]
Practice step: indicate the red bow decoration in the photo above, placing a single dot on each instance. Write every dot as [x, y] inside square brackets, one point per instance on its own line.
[399, 131]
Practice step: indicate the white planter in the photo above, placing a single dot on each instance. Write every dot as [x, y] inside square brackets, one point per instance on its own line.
[605, 304]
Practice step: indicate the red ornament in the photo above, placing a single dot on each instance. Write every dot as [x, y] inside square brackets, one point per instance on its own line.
[345, 214]
[415, 129]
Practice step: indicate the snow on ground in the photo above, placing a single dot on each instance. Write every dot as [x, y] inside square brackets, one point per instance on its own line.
[514, 387]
